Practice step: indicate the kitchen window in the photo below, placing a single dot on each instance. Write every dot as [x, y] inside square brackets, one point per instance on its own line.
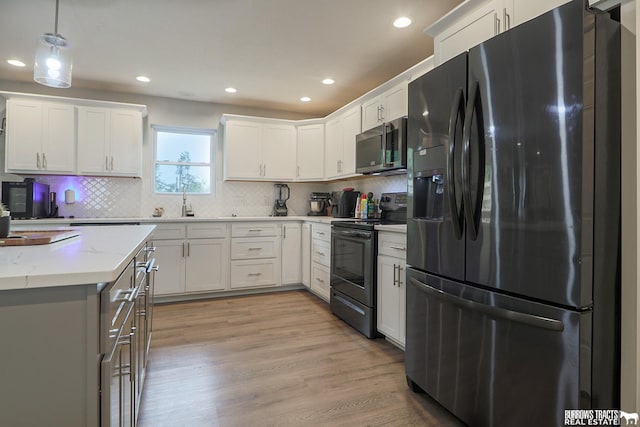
[183, 160]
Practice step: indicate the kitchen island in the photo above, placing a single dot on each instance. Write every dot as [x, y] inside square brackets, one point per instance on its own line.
[56, 324]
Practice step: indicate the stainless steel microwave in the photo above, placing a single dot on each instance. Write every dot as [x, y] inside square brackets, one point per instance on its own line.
[383, 149]
[27, 199]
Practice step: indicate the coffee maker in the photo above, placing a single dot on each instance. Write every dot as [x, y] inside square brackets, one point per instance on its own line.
[318, 204]
[280, 205]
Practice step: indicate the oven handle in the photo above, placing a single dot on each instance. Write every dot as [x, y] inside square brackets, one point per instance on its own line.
[362, 235]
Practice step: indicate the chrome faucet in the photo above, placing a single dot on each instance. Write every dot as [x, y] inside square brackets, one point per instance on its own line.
[184, 200]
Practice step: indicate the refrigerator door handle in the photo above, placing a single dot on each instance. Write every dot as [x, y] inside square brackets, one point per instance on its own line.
[491, 311]
[457, 218]
[472, 211]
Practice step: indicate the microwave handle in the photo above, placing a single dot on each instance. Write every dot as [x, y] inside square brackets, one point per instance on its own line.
[386, 130]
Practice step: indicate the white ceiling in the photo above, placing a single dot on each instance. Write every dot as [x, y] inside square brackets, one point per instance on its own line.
[272, 51]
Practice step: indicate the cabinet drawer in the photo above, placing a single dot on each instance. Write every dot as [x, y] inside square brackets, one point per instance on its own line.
[320, 284]
[321, 252]
[212, 230]
[251, 274]
[255, 229]
[321, 232]
[170, 231]
[254, 248]
[392, 244]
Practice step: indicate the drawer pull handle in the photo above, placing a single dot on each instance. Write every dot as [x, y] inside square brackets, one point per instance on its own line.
[400, 248]
[320, 280]
[254, 274]
[255, 249]
[255, 229]
[320, 253]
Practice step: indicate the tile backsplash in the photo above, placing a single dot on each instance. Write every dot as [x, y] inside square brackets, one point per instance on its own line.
[103, 197]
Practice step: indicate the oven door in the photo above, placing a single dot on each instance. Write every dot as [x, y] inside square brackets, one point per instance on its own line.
[353, 263]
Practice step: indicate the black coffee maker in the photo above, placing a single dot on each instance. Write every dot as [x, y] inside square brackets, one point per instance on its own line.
[344, 203]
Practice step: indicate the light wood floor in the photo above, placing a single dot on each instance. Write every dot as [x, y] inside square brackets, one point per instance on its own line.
[274, 359]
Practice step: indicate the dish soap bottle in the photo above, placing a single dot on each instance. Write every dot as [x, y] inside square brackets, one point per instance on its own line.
[363, 207]
[371, 206]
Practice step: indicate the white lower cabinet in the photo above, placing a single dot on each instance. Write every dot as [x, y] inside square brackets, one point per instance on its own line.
[291, 253]
[254, 273]
[203, 257]
[191, 264]
[391, 317]
[306, 254]
[320, 260]
[207, 262]
[255, 255]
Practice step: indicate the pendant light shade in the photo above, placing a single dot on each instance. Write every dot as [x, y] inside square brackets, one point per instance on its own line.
[53, 59]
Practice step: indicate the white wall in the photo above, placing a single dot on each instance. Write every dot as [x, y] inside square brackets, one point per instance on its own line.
[630, 360]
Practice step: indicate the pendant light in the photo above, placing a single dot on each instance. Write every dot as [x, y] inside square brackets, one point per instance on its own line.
[53, 59]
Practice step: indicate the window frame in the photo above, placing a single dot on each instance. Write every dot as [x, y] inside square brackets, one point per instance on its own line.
[186, 131]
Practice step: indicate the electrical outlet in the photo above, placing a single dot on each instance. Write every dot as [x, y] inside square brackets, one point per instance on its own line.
[238, 201]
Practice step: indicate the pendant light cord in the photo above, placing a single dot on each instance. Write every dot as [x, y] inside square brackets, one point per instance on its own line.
[55, 31]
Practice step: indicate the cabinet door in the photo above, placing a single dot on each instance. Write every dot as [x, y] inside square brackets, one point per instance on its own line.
[395, 102]
[391, 298]
[291, 254]
[170, 257]
[125, 143]
[320, 284]
[24, 135]
[350, 128]
[371, 113]
[207, 264]
[310, 152]
[93, 140]
[242, 150]
[278, 152]
[333, 148]
[518, 11]
[59, 138]
[480, 25]
[306, 254]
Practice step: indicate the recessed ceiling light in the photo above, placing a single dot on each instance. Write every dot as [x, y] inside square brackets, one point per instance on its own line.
[305, 99]
[16, 63]
[231, 90]
[402, 22]
[328, 81]
[143, 79]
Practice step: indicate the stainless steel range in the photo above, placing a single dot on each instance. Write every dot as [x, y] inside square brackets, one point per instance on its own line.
[353, 264]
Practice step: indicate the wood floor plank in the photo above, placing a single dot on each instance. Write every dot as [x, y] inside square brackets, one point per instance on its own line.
[278, 359]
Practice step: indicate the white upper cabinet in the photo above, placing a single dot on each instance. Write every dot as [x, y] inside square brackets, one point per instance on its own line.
[109, 142]
[310, 153]
[40, 137]
[259, 151]
[387, 106]
[518, 11]
[340, 144]
[476, 21]
[57, 135]
[279, 152]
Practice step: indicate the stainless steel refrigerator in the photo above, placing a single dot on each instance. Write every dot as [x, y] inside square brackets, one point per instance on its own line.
[513, 289]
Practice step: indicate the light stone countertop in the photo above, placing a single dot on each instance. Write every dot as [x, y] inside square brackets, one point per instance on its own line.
[396, 228]
[98, 255]
[158, 220]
